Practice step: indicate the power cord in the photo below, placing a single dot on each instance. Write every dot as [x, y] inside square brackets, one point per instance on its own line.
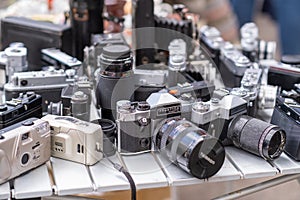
[120, 168]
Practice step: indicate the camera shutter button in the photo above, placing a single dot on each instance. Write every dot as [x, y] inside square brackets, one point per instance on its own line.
[143, 106]
[27, 123]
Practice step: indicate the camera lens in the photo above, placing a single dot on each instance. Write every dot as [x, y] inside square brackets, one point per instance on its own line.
[256, 136]
[190, 148]
[115, 81]
[116, 60]
[109, 135]
[25, 159]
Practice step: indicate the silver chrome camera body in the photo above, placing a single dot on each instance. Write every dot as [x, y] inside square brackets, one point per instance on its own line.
[75, 140]
[48, 84]
[249, 90]
[216, 114]
[23, 146]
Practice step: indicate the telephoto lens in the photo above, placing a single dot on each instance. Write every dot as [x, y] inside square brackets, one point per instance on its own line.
[190, 148]
[109, 129]
[256, 136]
[115, 81]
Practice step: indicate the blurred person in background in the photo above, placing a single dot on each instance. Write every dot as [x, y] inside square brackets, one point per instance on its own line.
[285, 13]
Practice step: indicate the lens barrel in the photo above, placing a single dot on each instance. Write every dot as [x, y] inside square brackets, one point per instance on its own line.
[256, 136]
[116, 81]
[190, 148]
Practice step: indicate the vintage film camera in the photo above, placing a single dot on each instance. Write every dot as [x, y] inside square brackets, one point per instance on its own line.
[249, 90]
[157, 123]
[48, 84]
[75, 100]
[253, 47]
[23, 146]
[286, 115]
[25, 106]
[224, 118]
[75, 140]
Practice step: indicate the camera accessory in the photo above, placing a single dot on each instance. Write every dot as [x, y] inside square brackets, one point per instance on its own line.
[286, 115]
[109, 129]
[86, 19]
[233, 65]
[59, 59]
[215, 115]
[36, 35]
[190, 148]
[134, 128]
[75, 140]
[116, 80]
[256, 136]
[23, 146]
[48, 84]
[26, 105]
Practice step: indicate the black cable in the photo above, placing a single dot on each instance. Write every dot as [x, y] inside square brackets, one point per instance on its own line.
[120, 168]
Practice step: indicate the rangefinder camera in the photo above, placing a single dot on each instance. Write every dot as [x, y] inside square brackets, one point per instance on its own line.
[23, 146]
[75, 140]
[25, 106]
[137, 121]
[286, 115]
[48, 84]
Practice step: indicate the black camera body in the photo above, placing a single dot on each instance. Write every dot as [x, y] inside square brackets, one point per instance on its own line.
[25, 106]
[286, 115]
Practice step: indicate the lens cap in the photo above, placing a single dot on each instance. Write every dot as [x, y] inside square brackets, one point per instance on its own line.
[206, 158]
[116, 51]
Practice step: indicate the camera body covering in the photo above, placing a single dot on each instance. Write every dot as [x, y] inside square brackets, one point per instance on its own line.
[23, 146]
[75, 140]
[25, 106]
